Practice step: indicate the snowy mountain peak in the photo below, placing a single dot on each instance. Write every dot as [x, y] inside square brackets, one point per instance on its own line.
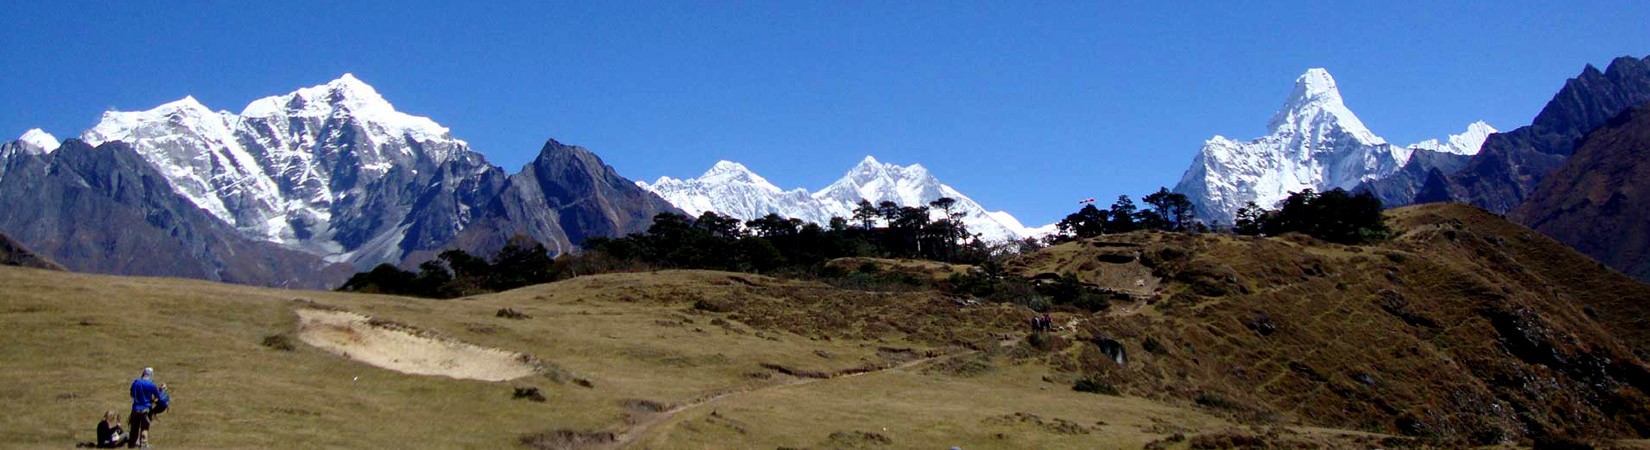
[1314, 142]
[1315, 83]
[187, 106]
[732, 189]
[346, 92]
[186, 115]
[1466, 143]
[1315, 109]
[350, 96]
[40, 139]
[295, 169]
[728, 171]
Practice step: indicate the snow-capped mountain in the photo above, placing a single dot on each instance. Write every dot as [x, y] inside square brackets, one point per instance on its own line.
[1313, 142]
[732, 189]
[39, 141]
[333, 169]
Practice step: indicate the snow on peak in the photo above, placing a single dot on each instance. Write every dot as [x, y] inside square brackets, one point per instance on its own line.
[1314, 142]
[351, 96]
[186, 114]
[1315, 109]
[346, 92]
[1316, 82]
[40, 139]
[729, 171]
[275, 171]
[187, 104]
[732, 189]
[1466, 143]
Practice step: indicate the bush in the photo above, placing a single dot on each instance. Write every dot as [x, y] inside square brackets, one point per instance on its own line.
[868, 268]
[529, 393]
[279, 342]
[715, 306]
[1152, 346]
[1067, 290]
[508, 313]
[1215, 400]
[1095, 385]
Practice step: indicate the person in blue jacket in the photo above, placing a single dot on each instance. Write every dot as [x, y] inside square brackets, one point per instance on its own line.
[161, 403]
[145, 396]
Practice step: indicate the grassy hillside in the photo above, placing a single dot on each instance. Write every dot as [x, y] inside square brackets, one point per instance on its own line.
[1463, 328]
[741, 356]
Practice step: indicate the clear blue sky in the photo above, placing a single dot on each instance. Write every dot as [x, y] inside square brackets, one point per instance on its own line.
[1025, 106]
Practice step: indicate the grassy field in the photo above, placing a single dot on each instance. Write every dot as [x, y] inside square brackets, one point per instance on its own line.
[642, 342]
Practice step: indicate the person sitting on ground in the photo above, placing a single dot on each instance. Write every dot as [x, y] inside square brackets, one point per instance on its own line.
[109, 433]
[144, 396]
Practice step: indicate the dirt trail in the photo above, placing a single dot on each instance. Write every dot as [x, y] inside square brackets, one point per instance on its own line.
[621, 440]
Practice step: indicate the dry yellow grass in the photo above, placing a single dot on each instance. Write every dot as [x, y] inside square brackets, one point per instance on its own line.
[74, 342]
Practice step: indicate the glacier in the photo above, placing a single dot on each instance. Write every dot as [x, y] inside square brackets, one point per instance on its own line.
[1313, 142]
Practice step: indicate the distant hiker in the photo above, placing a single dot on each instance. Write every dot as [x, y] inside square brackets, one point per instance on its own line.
[109, 433]
[145, 395]
[1048, 322]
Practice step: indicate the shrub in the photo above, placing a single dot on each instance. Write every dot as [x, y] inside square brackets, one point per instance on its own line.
[279, 342]
[1095, 386]
[529, 393]
[1215, 400]
[512, 314]
[869, 268]
[1152, 346]
[712, 305]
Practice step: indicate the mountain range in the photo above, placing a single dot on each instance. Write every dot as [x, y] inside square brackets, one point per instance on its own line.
[1512, 164]
[1598, 202]
[302, 188]
[1313, 142]
[732, 189]
[296, 190]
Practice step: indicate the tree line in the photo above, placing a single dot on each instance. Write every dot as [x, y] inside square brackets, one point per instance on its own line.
[778, 245]
[711, 241]
[1166, 211]
[1334, 216]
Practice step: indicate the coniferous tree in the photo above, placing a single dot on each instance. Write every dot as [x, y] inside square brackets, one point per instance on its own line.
[1123, 215]
[1085, 223]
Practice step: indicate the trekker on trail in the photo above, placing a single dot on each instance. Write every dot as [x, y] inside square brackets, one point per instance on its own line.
[109, 433]
[145, 395]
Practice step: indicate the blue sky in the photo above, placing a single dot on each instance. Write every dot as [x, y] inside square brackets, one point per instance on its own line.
[1025, 106]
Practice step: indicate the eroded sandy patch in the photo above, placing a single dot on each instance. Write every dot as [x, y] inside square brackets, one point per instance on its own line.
[354, 336]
